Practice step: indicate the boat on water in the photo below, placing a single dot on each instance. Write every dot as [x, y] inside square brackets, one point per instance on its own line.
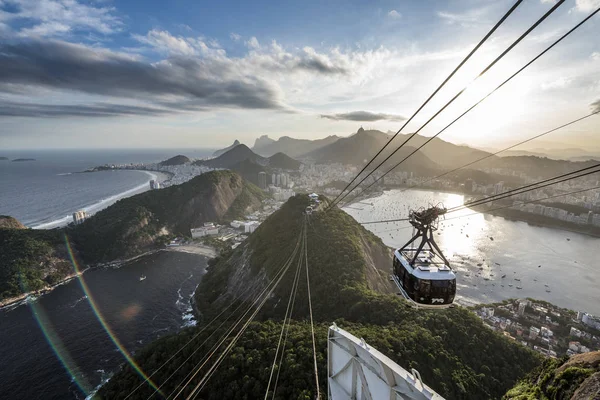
[142, 277]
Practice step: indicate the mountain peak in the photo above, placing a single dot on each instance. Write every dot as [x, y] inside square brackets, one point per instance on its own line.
[226, 149]
[177, 160]
[263, 141]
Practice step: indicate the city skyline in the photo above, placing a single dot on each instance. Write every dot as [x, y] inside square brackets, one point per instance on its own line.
[133, 75]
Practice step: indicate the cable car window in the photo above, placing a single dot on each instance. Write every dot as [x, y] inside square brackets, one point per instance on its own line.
[424, 287]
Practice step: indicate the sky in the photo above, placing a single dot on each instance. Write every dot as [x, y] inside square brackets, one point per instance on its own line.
[190, 73]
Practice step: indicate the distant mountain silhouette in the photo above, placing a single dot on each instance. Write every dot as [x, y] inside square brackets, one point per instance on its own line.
[177, 160]
[357, 149]
[234, 156]
[296, 148]
[283, 161]
[226, 149]
[248, 164]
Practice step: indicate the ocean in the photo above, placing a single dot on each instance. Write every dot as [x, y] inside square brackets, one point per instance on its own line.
[44, 193]
[59, 347]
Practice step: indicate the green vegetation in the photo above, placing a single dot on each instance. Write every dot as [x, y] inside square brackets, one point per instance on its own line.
[177, 160]
[139, 223]
[559, 379]
[31, 260]
[454, 352]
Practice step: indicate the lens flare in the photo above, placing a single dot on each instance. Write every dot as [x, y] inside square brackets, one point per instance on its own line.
[103, 322]
[59, 348]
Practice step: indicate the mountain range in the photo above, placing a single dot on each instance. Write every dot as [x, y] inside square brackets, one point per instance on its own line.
[295, 148]
[249, 164]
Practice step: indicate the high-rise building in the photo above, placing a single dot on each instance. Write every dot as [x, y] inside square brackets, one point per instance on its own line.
[79, 217]
[262, 180]
[154, 184]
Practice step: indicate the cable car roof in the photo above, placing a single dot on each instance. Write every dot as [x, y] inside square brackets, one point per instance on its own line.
[427, 266]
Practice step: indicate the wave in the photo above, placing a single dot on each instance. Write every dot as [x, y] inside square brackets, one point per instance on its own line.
[99, 205]
[65, 174]
[78, 301]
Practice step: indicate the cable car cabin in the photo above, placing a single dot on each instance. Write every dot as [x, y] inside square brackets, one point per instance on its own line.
[428, 281]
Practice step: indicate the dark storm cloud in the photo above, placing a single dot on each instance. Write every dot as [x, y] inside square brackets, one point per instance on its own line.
[64, 66]
[364, 116]
[19, 109]
[316, 65]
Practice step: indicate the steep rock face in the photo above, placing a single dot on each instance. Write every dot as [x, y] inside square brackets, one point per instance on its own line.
[575, 378]
[10, 223]
[141, 222]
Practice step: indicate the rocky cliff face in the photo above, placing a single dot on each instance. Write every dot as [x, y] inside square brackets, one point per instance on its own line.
[10, 223]
[575, 378]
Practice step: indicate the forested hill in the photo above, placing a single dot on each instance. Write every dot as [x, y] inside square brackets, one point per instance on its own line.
[136, 224]
[32, 259]
[454, 352]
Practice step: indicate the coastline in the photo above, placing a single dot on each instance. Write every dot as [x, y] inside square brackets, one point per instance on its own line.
[203, 250]
[508, 214]
[103, 203]
[23, 298]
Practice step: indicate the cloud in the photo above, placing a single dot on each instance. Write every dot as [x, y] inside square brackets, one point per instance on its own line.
[38, 110]
[253, 43]
[595, 106]
[201, 84]
[586, 5]
[466, 19]
[46, 18]
[235, 37]
[394, 14]
[559, 83]
[363, 116]
[595, 56]
[164, 42]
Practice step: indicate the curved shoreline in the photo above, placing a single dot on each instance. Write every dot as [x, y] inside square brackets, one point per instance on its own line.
[101, 204]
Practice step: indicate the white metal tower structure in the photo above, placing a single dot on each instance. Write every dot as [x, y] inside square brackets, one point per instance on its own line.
[356, 371]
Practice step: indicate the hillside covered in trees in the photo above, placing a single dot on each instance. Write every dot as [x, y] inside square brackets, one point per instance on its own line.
[454, 352]
[135, 224]
[32, 259]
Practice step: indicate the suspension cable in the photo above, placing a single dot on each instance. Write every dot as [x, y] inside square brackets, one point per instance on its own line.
[503, 150]
[530, 187]
[312, 326]
[284, 330]
[476, 104]
[481, 42]
[486, 69]
[198, 388]
[259, 302]
[513, 192]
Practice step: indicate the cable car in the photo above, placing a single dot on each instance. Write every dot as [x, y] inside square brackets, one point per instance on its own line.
[422, 273]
